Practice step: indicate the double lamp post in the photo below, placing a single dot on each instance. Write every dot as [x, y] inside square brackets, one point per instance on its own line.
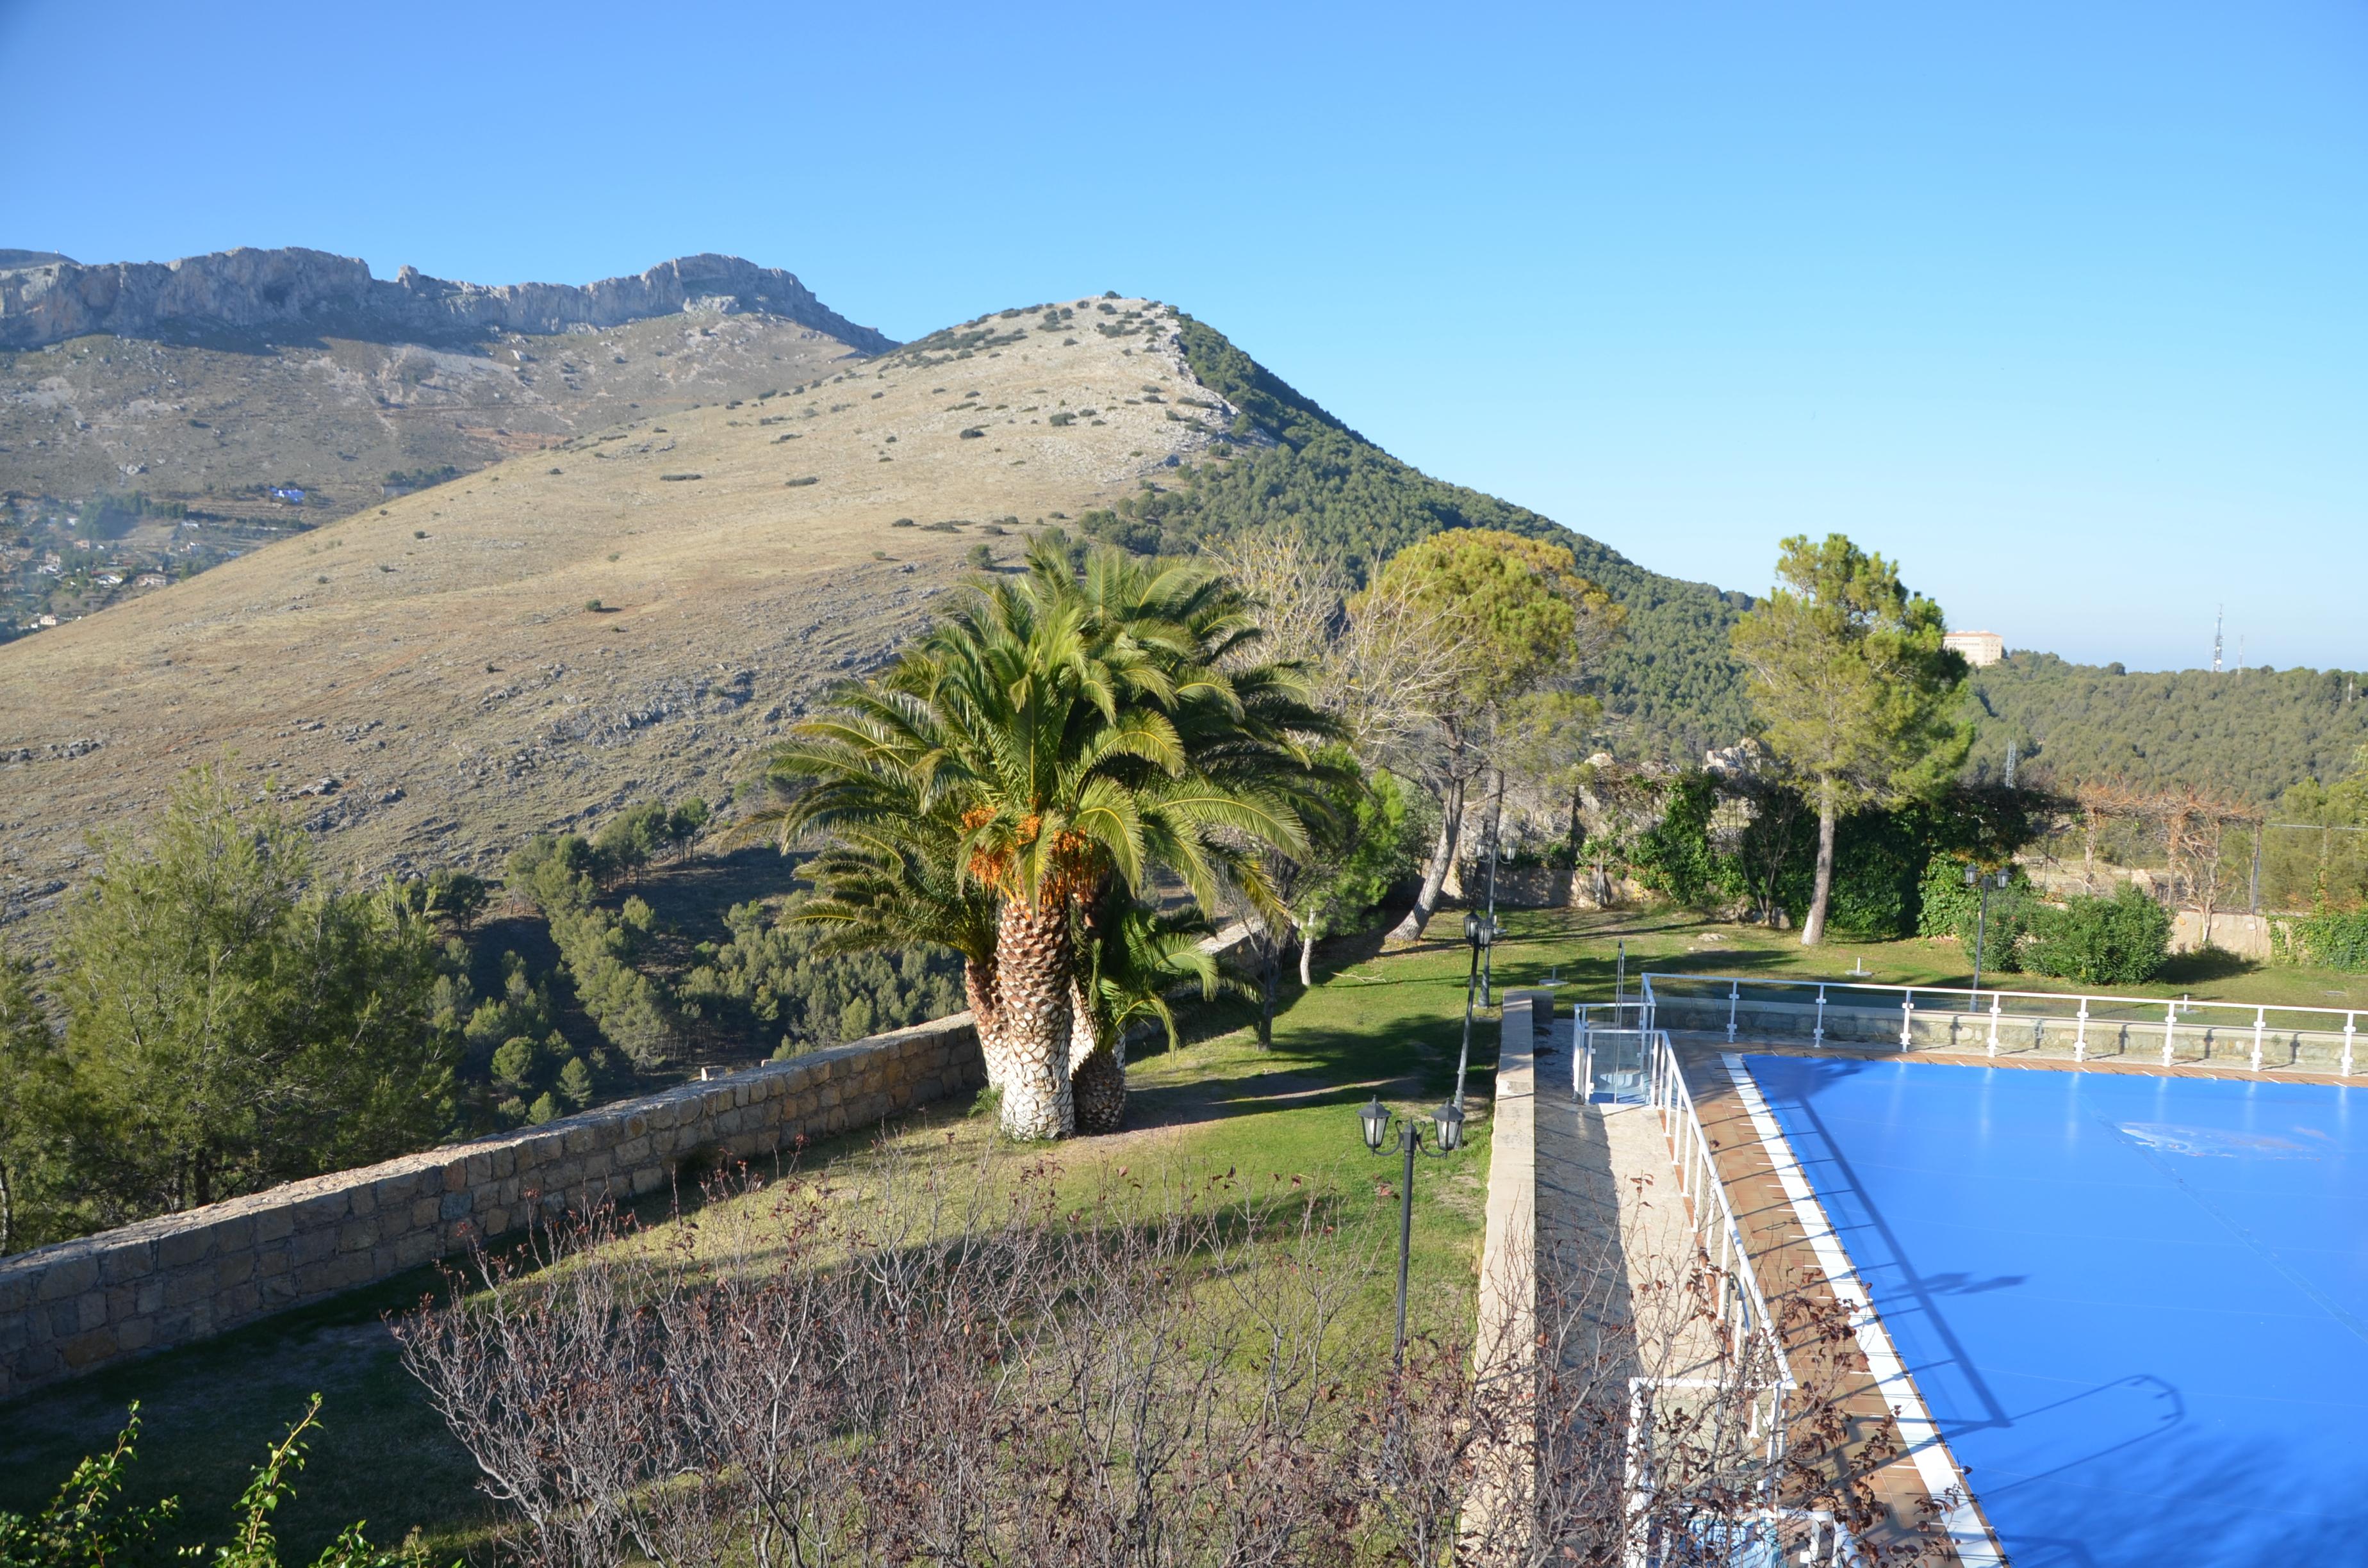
[1447, 1123]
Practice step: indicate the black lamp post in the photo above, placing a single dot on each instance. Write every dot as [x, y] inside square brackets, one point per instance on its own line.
[1977, 877]
[1480, 930]
[1448, 1124]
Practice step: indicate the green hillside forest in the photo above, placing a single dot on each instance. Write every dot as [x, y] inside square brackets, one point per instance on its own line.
[2251, 734]
[1672, 681]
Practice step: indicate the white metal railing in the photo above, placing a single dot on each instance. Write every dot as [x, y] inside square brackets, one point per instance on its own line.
[2008, 1018]
[1743, 1309]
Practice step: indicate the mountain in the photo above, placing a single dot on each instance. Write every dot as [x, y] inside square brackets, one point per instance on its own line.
[216, 403]
[428, 679]
[47, 299]
[428, 669]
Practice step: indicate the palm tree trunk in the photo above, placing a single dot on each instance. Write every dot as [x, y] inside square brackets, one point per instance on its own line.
[1306, 958]
[986, 1015]
[1812, 929]
[1096, 1066]
[1031, 1031]
[1434, 876]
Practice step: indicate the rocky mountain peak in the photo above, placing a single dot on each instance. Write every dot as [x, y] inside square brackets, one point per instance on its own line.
[47, 299]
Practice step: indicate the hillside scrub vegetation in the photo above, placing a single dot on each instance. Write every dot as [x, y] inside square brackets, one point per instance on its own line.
[1298, 470]
[233, 1019]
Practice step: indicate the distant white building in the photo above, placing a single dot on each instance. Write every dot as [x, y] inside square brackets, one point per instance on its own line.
[1978, 647]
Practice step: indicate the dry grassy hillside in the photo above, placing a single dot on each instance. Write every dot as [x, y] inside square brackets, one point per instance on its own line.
[335, 415]
[431, 671]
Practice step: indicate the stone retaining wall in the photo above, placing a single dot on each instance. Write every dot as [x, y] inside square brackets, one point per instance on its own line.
[82, 1304]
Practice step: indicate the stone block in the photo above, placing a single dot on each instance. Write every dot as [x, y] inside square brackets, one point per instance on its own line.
[239, 1303]
[416, 1248]
[120, 1264]
[274, 1224]
[148, 1296]
[456, 1205]
[184, 1246]
[359, 1236]
[16, 1291]
[90, 1312]
[362, 1198]
[456, 1175]
[234, 1269]
[189, 1287]
[135, 1333]
[90, 1349]
[318, 1212]
[69, 1276]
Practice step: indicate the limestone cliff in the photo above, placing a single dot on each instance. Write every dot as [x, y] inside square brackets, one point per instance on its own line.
[293, 290]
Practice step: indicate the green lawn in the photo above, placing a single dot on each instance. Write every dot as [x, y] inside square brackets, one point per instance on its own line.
[1219, 1104]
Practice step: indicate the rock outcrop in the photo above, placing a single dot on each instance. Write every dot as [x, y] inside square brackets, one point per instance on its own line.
[294, 290]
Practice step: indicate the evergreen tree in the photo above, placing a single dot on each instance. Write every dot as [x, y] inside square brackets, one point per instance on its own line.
[1853, 688]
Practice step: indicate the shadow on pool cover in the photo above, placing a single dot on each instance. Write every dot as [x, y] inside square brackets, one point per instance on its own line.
[2132, 1303]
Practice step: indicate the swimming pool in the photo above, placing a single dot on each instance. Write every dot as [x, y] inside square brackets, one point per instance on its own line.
[2136, 1306]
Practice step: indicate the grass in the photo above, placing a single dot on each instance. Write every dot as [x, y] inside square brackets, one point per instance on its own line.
[1390, 1024]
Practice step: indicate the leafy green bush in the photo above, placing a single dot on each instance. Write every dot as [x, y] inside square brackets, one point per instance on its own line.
[2119, 940]
[1674, 856]
[88, 1524]
[2334, 938]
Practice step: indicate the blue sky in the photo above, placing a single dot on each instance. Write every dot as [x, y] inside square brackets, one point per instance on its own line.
[2061, 306]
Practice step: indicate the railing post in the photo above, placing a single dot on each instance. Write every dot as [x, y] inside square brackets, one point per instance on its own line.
[2080, 1039]
[2260, 1021]
[1907, 1018]
[1821, 1015]
[1995, 1001]
[2351, 1023]
[2170, 1022]
[1733, 1001]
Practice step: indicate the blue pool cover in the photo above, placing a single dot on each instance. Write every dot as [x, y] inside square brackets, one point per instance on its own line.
[2136, 1306]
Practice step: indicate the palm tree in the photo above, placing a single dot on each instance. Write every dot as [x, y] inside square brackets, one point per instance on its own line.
[1131, 959]
[1053, 743]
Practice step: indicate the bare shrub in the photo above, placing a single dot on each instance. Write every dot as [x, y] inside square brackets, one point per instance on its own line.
[940, 1362]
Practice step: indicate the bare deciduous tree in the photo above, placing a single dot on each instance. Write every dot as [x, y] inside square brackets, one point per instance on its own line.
[961, 1364]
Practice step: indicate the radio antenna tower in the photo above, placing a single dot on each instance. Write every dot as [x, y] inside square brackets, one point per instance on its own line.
[2218, 616]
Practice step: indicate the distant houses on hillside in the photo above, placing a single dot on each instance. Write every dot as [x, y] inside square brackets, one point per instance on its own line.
[1978, 647]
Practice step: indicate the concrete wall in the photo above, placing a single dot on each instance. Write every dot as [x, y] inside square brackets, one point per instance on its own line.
[83, 1304]
[2246, 935]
